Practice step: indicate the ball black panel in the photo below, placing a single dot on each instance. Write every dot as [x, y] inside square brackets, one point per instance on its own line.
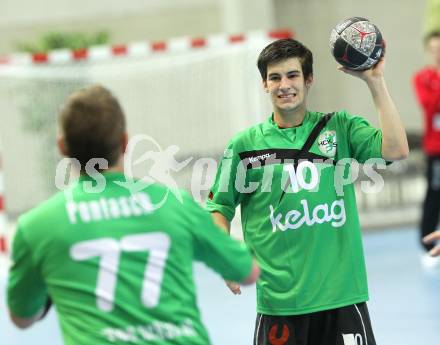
[355, 57]
[379, 49]
[340, 48]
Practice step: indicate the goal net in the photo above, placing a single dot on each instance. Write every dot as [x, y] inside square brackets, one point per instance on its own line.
[193, 96]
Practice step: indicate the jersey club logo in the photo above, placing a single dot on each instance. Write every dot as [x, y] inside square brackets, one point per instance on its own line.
[327, 143]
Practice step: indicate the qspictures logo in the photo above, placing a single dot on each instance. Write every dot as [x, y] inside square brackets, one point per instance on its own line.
[163, 162]
[163, 165]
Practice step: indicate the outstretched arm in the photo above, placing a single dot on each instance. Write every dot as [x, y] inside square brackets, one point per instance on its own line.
[223, 223]
[394, 141]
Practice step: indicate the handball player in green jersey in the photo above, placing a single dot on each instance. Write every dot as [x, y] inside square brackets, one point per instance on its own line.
[117, 268]
[298, 207]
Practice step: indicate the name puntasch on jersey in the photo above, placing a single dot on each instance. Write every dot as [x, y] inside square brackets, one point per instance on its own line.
[134, 205]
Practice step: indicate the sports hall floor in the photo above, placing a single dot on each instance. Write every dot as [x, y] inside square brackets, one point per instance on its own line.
[404, 305]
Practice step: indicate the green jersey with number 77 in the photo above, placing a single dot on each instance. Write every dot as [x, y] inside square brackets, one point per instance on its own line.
[118, 267]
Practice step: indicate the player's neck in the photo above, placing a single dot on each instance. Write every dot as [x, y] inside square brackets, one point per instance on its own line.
[114, 169]
[118, 167]
[288, 119]
[103, 171]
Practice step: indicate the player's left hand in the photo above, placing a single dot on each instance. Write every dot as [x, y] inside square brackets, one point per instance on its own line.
[375, 72]
[234, 287]
[433, 237]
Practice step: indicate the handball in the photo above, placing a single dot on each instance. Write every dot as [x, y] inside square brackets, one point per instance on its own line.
[356, 43]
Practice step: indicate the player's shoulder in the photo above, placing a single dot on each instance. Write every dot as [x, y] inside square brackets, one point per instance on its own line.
[314, 116]
[249, 135]
[345, 115]
[343, 119]
[338, 116]
[168, 199]
[181, 208]
[45, 211]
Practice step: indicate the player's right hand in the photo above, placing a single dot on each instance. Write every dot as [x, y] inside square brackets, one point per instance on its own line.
[234, 287]
[432, 238]
[374, 73]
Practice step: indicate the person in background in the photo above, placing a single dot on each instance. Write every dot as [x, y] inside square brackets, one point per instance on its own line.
[426, 84]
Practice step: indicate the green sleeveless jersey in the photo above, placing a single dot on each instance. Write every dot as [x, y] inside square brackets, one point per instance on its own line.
[118, 264]
[307, 243]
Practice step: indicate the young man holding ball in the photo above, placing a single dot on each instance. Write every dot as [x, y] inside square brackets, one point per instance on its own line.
[306, 238]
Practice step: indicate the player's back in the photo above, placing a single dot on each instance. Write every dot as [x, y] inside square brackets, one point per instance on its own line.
[118, 263]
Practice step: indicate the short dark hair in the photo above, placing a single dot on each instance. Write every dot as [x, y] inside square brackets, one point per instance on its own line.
[430, 35]
[285, 49]
[93, 123]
